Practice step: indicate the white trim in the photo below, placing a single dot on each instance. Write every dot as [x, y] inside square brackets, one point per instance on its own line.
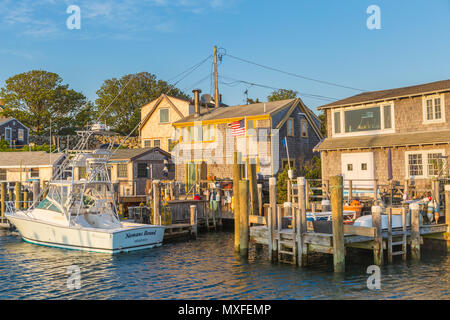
[424, 109]
[363, 133]
[424, 154]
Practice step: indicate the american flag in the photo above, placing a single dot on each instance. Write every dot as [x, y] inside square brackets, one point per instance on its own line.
[237, 128]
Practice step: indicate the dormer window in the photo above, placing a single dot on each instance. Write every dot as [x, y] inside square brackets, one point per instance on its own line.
[363, 120]
[433, 109]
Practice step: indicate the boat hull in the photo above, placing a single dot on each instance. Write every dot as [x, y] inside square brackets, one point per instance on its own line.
[130, 237]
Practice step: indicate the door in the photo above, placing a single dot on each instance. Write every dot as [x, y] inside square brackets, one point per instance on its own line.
[191, 175]
[8, 135]
[358, 167]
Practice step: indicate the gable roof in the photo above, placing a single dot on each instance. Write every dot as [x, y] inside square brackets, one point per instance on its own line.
[29, 159]
[4, 120]
[382, 95]
[155, 106]
[246, 110]
[131, 154]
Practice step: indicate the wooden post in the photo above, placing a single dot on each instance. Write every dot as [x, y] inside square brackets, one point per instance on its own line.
[389, 214]
[404, 214]
[260, 200]
[243, 216]
[36, 191]
[375, 189]
[3, 199]
[406, 191]
[236, 200]
[273, 206]
[415, 231]
[447, 214]
[193, 220]
[25, 199]
[270, 232]
[251, 174]
[336, 186]
[156, 202]
[378, 240]
[302, 248]
[18, 191]
[436, 194]
[289, 190]
[308, 204]
[45, 184]
[350, 191]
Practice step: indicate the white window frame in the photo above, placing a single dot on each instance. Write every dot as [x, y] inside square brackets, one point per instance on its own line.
[383, 130]
[424, 109]
[424, 154]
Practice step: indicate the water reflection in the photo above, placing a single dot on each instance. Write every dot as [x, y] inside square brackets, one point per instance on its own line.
[207, 269]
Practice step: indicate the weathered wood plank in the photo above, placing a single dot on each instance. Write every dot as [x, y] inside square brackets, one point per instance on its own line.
[359, 231]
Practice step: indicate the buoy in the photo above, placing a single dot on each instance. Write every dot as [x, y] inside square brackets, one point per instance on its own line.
[430, 211]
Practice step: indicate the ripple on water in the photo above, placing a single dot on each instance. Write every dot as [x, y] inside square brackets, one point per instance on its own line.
[207, 269]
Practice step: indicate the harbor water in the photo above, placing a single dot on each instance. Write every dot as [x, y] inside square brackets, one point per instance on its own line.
[207, 268]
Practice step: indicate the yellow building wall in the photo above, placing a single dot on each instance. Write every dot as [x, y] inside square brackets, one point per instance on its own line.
[153, 129]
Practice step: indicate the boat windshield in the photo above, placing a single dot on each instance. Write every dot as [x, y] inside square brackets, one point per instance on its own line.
[47, 205]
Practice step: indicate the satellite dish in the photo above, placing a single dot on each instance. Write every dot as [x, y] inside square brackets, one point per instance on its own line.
[206, 98]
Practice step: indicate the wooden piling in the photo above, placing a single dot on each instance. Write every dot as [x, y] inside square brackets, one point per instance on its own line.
[406, 191]
[415, 231]
[378, 239]
[273, 206]
[447, 214]
[336, 186]
[302, 249]
[253, 191]
[243, 217]
[236, 179]
[36, 191]
[389, 246]
[25, 199]
[3, 198]
[289, 190]
[436, 194]
[156, 202]
[18, 192]
[308, 203]
[272, 254]
[350, 191]
[260, 199]
[375, 189]
[193, 220]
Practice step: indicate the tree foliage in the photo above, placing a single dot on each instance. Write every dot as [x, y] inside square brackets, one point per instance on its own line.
[282, 184]
[323, 123]
[136, 90]
[282, 94]
[36, 97]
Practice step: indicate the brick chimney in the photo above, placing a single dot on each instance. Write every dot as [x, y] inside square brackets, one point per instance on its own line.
[196, 102]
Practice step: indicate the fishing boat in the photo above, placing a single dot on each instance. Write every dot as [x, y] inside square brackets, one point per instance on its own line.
[82, 214]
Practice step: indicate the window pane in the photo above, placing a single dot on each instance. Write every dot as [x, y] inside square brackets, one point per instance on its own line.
[387, 117]
[437, 108]
[34, 173]
[2, 174]
[349, 167]
[362, 120]
[435, 163]
[122, 170]
[185, 135]
[290, 127]
[337, 122]
[304, 129]
[211, 132]
[415, 165]
[157, 143]
[81, 173]
[163, 115]
[142, 171]
[147, 143]
[250, 124]
[364, 166]
[205, 133]
[429, 109]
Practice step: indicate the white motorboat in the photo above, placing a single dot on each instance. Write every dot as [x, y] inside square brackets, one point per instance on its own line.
[81, 214]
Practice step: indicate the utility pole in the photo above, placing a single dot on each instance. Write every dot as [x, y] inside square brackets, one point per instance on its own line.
[216, 83]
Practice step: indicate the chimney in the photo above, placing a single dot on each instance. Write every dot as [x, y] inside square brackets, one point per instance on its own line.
[196, 102]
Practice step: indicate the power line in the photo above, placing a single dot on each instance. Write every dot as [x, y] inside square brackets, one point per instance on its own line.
[293, 74]
[236, 82]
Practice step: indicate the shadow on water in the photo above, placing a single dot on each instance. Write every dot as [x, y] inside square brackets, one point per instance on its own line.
[208, 268]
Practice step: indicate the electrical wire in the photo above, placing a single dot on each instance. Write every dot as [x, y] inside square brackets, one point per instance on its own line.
[292, 74]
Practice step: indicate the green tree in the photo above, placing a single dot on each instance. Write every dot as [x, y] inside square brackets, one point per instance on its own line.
[282, 94]
[323, 123]
[123, 114]
[36, 97]
[251, 101]
[282, 184]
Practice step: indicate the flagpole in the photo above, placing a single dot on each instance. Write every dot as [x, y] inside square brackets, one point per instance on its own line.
[287, 151]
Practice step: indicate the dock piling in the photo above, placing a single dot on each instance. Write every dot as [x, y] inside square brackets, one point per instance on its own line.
[243, 217]
[415, 231]
[193, 220]
[18, 191]
[273, 206]
[302, 249]
[378, 239]
[36, 191]
[260, 200]
[337, 220]
[3, 199]
[236, 179]
[156, 202]
[447, 215]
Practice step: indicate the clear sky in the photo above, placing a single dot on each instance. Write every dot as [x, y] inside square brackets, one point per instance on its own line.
[324, 40]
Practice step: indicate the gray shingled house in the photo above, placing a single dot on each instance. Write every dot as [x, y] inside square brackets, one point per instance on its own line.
[408, 127]
[14, 131]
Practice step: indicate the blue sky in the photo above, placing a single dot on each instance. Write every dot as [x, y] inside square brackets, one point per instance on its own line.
[325, 40]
